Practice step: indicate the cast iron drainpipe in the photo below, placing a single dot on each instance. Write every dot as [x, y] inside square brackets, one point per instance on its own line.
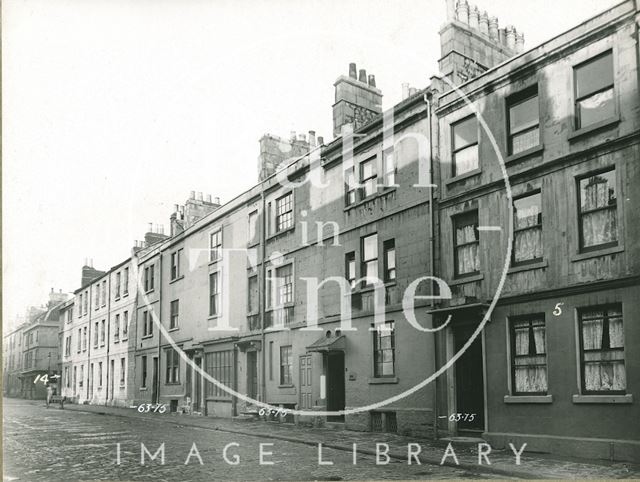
[159, 370]
[106, 400]
[427, 98]
[262, 294]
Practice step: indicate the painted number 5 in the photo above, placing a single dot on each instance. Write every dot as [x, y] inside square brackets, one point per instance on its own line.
[557, 311]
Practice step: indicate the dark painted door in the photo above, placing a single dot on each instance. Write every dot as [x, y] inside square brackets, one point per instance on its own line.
[305, 383]
[252, 374]
[154, 386]
[335, 385]
[469, 381]
[197, 383]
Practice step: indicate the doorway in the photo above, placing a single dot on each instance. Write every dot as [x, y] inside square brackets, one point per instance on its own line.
[252, 374]
[469, 380]
[335, 384]
[197, 384]
[154, 381]
[306, 390]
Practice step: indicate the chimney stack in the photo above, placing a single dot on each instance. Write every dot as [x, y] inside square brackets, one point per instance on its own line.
[320, 141]
[357, 102]
[519, 43]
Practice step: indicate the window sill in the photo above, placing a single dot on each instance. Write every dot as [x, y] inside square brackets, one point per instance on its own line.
[618, 399]
[382, 380]
[214, 261]
[532, 151]
[280, 233]
[286, 385]
[125, 295]
[597, 253]
[462, 177]
[176, 279]
[603, 124]
[143, 389]
[116, 341]
[172, 383]
[371, 287]
[213, 317]
[385, 190]
[175, 328]
[148, 291]
[468, 279]
[528, 399]
[528, 267]
[117, 298]
[146, 337]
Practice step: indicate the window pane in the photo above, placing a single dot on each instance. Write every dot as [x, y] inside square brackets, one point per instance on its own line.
[466, 160]
[598, 191]
[594, 75]
[527, 211]
[596, 108]
[524, 115]
[370, 247]
[367, 169]
[465, 133]
[525, 140]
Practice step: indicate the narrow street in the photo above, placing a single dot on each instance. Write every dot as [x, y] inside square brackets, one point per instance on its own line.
[53, 444]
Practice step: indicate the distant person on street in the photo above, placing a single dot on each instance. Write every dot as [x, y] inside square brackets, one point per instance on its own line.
[49, 393]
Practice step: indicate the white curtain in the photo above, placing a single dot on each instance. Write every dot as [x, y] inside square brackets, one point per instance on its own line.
[468, 260]
[601, 226]
[531, 370]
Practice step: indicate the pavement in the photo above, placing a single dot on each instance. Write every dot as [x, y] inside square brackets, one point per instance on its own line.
[87, 433]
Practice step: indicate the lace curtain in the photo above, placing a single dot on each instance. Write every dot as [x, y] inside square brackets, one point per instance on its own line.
[601, 226]
[530, 367]
[468, 261]
[528, 243]
[604, 369]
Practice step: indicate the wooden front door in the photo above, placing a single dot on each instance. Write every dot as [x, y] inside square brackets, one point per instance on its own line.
[197, 385]
[469, 381]
[154, 381]
[306, 391]
[252, 374]
[335, 385]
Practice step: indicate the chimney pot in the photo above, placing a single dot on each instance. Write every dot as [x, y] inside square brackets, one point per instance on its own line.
[320, 140]
[175, 208]
[312, 139]
[216, 200]
[293, 135]
[510, 37]
[199, 196]
[462, 11]
[405, 90]
[412, 91]
[363, 76]
[451, 10]
[483, 23]
[192, 195]
[150, 228]
[519, 43]
[372, 80]
[208, 198]
[353, 72]
[493, 29]
[474, 18]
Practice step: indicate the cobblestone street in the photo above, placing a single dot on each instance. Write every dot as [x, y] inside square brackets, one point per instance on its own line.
[68, 444]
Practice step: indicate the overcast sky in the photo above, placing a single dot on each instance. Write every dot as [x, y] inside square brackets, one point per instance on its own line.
[114, 110]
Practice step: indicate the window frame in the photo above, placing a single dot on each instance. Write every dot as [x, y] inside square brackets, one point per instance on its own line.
[215, 250]
[611, 244]
[214, 296]
[176, 264]
[377, 351]
[350, 258]
[515, 100]
[577, 124]
[174, 314]
[149, 280]
[455, 218]
[455, 150]
[172, 374]
[512, 320]
[389, 246]
[362, 181]
[581, 351]
[350, 186]
[363, 261]
[286, 369]
[525, 262]
[279, 214]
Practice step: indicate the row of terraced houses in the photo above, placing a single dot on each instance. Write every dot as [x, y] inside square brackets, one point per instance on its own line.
[417, 198]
